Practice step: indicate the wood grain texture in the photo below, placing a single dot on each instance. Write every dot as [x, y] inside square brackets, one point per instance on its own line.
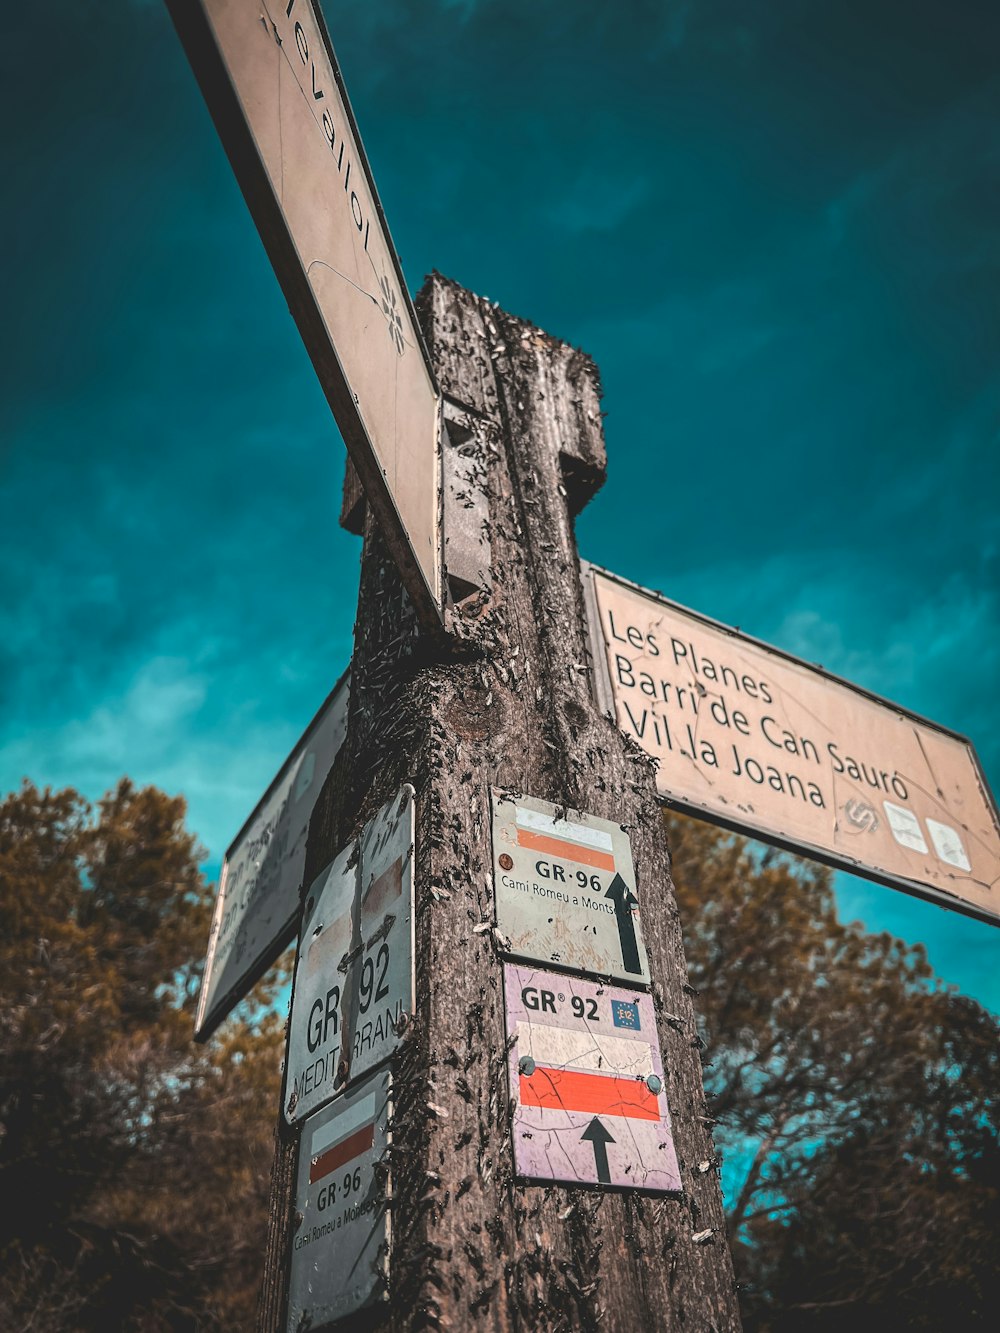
[352, 505]
[506, 701]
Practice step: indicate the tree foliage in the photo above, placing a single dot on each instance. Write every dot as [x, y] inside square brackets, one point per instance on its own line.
[133, 1164]
[857, 1096]
[858, 1099]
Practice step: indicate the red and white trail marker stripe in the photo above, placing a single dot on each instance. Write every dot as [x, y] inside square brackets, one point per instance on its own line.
[575, 1071]
[539, 832]
[341, 1153]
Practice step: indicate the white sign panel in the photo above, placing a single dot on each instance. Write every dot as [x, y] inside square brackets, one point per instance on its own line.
[269, 75]
[769, 745]
[587, 1083]
[353, 989]
[340, 1246]
[565, 889]
[261, 876]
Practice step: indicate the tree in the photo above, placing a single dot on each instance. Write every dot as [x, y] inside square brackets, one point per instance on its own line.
[133, 1165]
[858, 1096]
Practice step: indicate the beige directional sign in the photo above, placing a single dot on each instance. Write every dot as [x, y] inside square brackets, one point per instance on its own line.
[765, 744]
[258, 900]
[270, 78]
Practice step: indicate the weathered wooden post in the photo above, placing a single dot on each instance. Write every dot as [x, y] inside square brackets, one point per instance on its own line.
[503, 700]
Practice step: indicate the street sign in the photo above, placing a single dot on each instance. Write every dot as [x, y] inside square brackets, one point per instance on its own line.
[353, 992]
[340, 1246]
[587, 1083]
[271, 81]
[762, 743]
[565, 889]
[258, 898]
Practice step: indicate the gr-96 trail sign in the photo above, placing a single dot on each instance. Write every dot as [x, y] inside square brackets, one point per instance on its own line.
[566, 890]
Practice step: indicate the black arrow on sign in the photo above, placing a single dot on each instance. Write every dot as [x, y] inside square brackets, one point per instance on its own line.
[596, 1134]
[624, 900]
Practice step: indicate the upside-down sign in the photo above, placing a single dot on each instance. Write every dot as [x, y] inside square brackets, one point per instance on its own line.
[587, 1081]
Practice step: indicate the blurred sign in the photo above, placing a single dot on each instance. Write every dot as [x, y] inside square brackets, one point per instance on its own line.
[258, 899]
[565, 889]
[271, 81]
[353, 991]
[760, 742]
[587, 1083]
[340, 1245]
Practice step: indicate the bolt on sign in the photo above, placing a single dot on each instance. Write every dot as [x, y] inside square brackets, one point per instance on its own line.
[761, 742]
[586, 1079]
[353, 991]
[340, 1246]
[565, 889]
[261, 877]
[271, 81]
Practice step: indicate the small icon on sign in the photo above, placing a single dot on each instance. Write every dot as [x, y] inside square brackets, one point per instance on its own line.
[392, 315]
[625, 1014]
[861, 815]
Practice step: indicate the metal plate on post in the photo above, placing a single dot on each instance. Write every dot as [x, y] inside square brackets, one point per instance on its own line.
[586, 1078]
[340, 1245]
[565, 889]
[269, 75]
[258, 898]
[353, 991]
[771, 746]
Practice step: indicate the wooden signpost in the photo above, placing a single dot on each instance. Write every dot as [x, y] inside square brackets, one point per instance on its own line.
[493, 1113]
[548, 1159]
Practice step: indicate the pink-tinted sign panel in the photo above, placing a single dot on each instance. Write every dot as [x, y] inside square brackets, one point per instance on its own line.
[587, 1081]
[771, 746]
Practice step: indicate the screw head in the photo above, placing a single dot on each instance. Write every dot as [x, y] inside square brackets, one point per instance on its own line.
[654, 1083]
[506, 862]
[526, 1065]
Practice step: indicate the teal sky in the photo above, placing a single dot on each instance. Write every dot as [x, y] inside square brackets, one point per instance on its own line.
[775, 226]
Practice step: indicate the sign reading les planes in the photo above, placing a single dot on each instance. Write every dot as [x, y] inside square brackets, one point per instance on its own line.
[269, 76]
[768, 745]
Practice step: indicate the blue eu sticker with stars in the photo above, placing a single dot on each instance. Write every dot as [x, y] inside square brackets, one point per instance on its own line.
[625, 1014]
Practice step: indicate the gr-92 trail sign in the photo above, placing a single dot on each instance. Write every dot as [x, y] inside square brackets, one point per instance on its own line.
[271, 81]
[353, 993]
[565, 889]
[587, 1083]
